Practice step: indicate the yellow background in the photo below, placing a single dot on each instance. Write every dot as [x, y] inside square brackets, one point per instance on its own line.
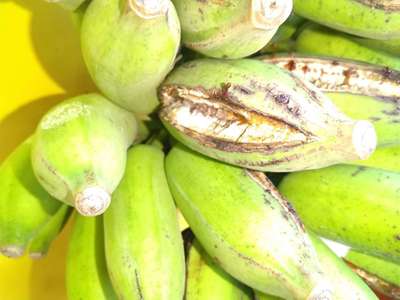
[40, 64]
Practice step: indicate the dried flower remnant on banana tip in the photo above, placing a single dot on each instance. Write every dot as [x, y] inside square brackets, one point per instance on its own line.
[260, 118]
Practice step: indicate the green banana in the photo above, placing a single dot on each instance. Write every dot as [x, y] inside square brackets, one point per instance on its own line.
[205, 280]
[361, 91]
[245, 226]
[386, 158]
[389, 46]
[357, 206]
[382, 275]
[144, 247]
[129, 47]
[230, 29]
[376, 19]
[25, 207]
[40, 244]
[79, 151]
[283, 39]
[255, 115]
[317, 40]
[86, 275]
[345, 283]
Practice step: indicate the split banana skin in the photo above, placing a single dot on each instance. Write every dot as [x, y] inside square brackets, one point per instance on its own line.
[164, 167]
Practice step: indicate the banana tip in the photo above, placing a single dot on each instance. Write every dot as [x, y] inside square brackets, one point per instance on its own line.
[92, 201]
[270, 14]
[364, 139]
[12, 251]
[321, 291]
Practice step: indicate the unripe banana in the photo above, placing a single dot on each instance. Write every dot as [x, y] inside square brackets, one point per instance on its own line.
[25, 207]
[206, 281]
[376, 19]
[386, 158]
[317, 40]
[245, 226]
[388, 46]
[129, 47]
[360, 90]
[357, 206]
[79, 151]
[257, 116]
[144, 247]
[87, 277]
[381, 275]
[68, 4]
[40, 244]
[230, 29]
[345, 283]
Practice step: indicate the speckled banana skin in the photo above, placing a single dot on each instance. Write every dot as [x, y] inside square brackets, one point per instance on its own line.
[256, 115]
[362, 91]
[79, 151]
[144, 247]
[86, 271]
[355, 205]
[205, 280]
[230, 29]
[376, 19]
[129, 47]
[318, 40]
[25, 207]
[40, 244]
[269, 249]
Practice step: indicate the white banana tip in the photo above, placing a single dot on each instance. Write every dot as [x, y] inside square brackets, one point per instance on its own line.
[322, 291]
[270, 14]
[148, 9]
[92, 201]
[364, 139]
[12, 251]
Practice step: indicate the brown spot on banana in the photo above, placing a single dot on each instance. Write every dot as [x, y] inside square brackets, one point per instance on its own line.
[333, 75]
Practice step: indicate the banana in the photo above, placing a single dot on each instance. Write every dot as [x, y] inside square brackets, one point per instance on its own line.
[382, 275]
[25, 207]
[86, 272]
[357, 206]
[205, 280]
[360, 90]
[389, 46]
[317, 40]
[230, 29]
[255, 115]
[72, 5]
[245, 226]
[144, 247]
[376, 19]
[386, 158]
[129, 47]
[40, 244]
[72, 153]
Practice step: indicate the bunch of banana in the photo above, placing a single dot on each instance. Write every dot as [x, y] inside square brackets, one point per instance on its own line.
[360, 90]
[318, 40]
[29, 216]
[355, 205]
[381, 275]
[376, 19]
[71, 151]
[256, 115]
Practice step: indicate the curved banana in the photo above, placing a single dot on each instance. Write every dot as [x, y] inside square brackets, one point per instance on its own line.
[129, 47]
[255, 115]
[40, 244]
[25, 207]
[360, 90]
[357, 206]
[144, 247]
[318, 40]
[233, 29]
[72, 153]
[86, 275]
[245, 226]
[381, 275]
[205, 280]
[376, 19]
